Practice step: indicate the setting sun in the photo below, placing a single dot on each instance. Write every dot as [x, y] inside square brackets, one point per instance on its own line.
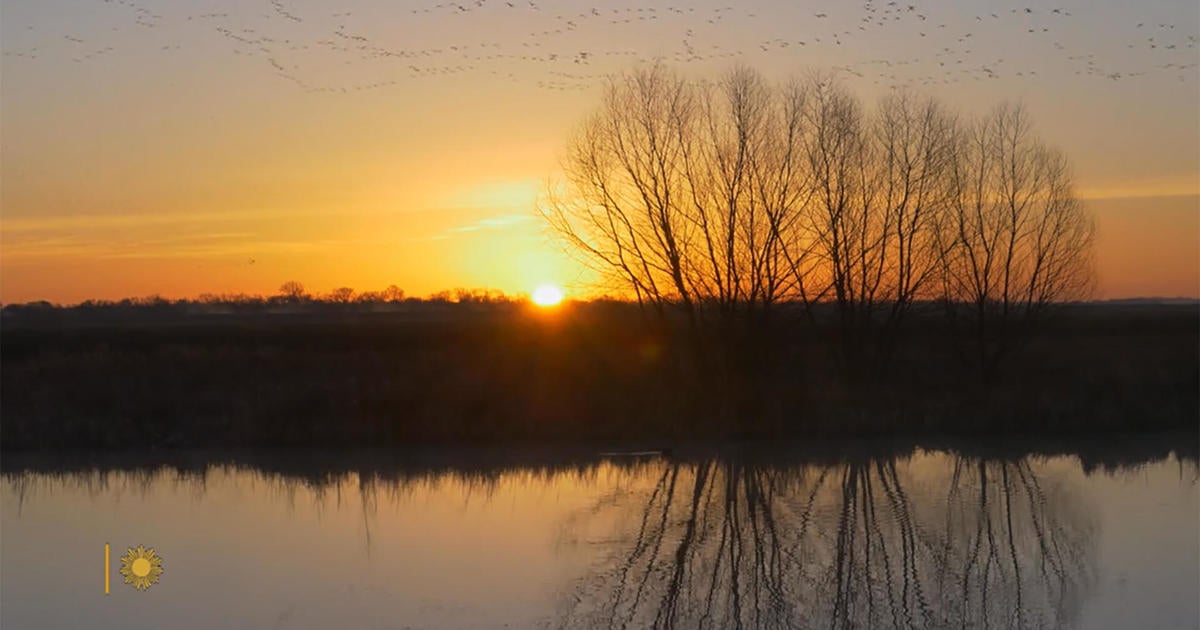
[547, 295]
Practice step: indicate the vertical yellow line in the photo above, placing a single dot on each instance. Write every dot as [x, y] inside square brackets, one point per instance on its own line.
[106, 569]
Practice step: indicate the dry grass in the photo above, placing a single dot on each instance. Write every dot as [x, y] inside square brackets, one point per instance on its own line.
[585, 373]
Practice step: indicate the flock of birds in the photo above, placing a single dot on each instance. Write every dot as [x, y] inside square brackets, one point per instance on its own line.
[542, 43]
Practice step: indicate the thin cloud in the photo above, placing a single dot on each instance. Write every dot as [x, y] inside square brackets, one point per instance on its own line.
[502, 222]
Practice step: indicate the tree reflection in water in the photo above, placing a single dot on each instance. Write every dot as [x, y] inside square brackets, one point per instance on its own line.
[880, 543]
[979, 535]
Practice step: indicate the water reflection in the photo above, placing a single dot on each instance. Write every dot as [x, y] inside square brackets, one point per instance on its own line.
[815, 536]
[882, 543]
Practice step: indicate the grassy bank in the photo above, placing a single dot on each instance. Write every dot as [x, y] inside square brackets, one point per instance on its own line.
[318, 466]
[471, 373]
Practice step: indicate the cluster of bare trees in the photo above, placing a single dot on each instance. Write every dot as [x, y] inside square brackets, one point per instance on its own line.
[293, 291]
[725, 198]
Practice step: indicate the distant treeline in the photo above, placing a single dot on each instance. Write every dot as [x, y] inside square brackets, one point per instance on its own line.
[290, 294]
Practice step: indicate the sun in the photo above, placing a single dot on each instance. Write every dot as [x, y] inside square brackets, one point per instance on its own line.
[141, 567]
[547, 295]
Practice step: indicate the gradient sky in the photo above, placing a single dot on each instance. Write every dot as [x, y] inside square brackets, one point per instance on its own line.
[160, 147]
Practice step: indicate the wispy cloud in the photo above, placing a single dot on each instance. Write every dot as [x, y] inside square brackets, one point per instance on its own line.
[45, 243]
[100, 221]
[501, 222]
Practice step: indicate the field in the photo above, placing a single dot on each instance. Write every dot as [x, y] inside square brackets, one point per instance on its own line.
[474, 373]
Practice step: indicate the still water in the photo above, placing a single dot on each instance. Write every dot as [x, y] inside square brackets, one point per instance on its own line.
[791, 536]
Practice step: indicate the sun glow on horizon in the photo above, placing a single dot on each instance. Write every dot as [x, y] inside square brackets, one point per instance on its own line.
[547, 295]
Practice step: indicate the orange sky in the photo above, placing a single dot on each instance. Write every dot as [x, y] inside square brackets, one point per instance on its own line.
[155, 148]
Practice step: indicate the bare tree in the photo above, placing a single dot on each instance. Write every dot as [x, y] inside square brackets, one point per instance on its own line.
[878, 187]
[744, 190]
[686, 192]
[915, 140]
[1016, 241]
[293, 291]
[342, 295]
[687, 195]
[623, 168]
[392, 293]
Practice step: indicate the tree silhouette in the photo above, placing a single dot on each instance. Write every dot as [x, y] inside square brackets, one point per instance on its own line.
[342, 295]
[1016, 240]
[878, 185]
[392, 293]
[721, 199]
[683, 193]
[293, 291]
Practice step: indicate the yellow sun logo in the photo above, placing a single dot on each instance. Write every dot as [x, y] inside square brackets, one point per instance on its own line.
[141, 567]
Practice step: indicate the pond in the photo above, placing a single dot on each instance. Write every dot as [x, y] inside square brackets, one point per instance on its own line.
[788, 535]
